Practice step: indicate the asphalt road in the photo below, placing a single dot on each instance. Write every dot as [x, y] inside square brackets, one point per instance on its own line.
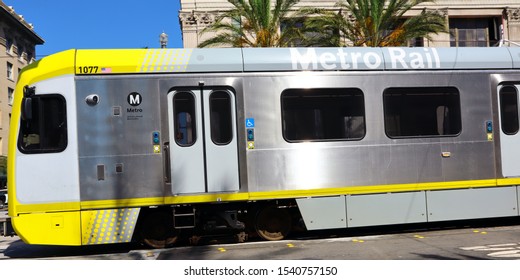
[495, 240]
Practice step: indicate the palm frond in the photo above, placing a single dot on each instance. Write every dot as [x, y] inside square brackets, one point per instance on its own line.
[375, 23]
[255, 22]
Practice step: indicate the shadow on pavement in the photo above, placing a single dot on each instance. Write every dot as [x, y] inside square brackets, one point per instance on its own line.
[19, 250]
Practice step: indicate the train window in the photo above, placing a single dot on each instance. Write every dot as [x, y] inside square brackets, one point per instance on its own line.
[45, 131]
[323, 114]
[220, 117]
[184, 111]
[509, 110]
[422, 112]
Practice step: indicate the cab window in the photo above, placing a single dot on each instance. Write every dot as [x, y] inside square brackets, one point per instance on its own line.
[43, 129]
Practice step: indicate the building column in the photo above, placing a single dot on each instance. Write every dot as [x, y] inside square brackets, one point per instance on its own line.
[192, 24]
[512, 26]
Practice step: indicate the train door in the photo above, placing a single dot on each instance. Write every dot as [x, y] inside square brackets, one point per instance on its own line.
[509, 129]
[203, 153]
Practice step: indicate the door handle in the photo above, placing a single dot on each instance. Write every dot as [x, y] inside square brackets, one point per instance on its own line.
[167, 163]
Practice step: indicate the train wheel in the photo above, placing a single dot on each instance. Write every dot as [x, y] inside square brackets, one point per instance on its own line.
[157, 230]
[273, 223]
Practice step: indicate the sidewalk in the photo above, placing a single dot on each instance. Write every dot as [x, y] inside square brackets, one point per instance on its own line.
[5, 241]
[5, 224]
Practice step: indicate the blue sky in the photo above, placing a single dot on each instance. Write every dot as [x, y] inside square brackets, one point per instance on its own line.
[96, 24]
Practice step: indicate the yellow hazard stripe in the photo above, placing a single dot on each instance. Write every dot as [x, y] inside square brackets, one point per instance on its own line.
[128, 61]
[165, 60]
[108, 226]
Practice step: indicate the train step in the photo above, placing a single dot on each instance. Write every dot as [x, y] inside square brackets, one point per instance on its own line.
[184, 217]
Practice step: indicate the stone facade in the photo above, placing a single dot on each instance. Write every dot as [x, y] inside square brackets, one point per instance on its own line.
[17, 49]
[471, 22]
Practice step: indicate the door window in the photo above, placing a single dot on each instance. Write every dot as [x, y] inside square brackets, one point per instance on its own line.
[509, 110]
[221, 120]
[184, 110]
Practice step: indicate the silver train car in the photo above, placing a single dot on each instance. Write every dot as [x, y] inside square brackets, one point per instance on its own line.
[111, 146]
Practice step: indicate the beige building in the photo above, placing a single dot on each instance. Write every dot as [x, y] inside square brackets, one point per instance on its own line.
[17, 49]
[471, 22]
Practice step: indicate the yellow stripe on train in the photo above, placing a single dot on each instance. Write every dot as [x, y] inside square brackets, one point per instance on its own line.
[108, 226]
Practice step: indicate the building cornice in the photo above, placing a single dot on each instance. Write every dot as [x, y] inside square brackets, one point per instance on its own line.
[197, 18]
[215, 5]
[18, 21]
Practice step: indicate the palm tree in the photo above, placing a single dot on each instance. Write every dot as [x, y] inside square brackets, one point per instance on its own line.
[370, 23]
[252, 23]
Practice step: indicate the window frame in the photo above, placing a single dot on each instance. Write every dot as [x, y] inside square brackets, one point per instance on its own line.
[10, 72]
[485, 30]
[10, 96]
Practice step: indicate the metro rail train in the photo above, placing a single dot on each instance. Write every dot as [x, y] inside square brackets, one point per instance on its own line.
[153, 145]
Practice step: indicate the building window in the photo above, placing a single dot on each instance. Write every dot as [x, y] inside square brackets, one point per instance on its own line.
[421, 112]
[10, 74]
[10, 95]
[318, 38]
[509, 110]
[474, 32]
[323, 114]
[43, 129]
[295, 23]
[416, 42]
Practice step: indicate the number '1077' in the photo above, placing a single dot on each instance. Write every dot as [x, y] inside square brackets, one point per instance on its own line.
[88, 69]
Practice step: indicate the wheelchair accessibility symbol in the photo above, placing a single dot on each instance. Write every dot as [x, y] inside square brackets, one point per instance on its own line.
[250, 122]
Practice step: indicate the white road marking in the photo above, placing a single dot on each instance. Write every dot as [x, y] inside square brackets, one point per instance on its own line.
[508, 250]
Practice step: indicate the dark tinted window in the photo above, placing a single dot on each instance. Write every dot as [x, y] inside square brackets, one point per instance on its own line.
[323, 114]
[184, 114]
[509, 109]
[422, 112]
[221, 120]
[46, 130]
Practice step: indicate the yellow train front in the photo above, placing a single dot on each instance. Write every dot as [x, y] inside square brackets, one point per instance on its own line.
[111, 146]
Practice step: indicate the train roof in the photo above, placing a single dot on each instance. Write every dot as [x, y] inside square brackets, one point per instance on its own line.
[211, 60]
[295, 59]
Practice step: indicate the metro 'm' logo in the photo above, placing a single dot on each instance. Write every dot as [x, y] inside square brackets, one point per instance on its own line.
[134, 99]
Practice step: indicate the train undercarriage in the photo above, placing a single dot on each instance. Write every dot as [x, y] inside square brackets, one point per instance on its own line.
[161, 227]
